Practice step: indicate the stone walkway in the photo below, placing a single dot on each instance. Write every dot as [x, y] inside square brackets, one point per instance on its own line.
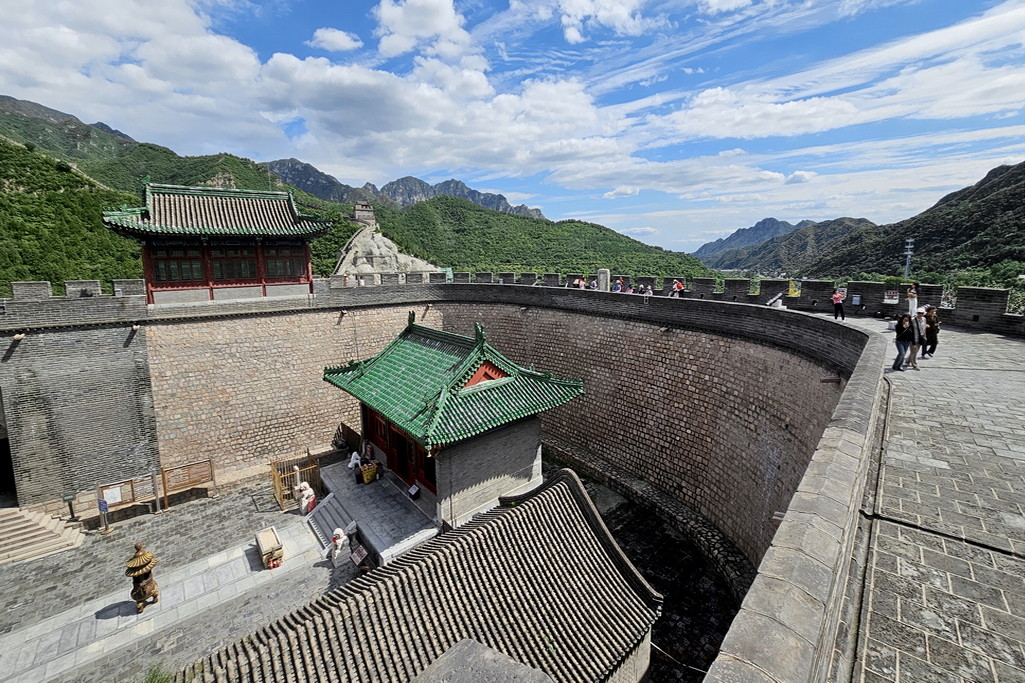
[946, 580]
[64, 615]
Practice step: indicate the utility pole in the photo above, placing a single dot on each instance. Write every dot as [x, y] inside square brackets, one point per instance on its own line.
[907, 261]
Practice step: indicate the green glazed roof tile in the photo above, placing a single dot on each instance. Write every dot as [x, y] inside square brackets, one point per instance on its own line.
[417, 383]
[176, 210]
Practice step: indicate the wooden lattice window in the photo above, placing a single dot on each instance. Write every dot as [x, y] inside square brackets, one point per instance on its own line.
[285, 261]
[177, 264]
[234, 263]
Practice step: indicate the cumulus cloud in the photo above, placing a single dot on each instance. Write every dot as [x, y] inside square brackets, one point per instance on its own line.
[333, 40]
[405, 26]
[642, 232]
[621, 16]
[621, 192]
[800, 177]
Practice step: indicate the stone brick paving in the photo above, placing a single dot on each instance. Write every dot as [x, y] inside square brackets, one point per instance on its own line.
[946, 580]
[33, 591]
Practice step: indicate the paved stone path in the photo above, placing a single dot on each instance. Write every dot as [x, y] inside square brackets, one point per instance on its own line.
[70, 640]
[946, 580]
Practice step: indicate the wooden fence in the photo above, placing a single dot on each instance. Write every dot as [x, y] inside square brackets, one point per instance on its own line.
[288, 472]
[144, 489]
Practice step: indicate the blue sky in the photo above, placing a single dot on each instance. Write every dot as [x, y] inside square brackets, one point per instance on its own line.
[675, 122]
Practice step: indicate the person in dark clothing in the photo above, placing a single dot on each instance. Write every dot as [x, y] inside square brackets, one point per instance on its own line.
[932, 331]
[903, 340]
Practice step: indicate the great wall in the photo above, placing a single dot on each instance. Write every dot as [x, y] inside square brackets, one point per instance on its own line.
[727, 415]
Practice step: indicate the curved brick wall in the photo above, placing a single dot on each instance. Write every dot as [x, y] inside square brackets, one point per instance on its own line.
[701, 407]
[724, 425]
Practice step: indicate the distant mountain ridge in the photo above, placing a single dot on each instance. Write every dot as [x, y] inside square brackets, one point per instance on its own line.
[409, 190]
[792, 251]
[763, 230]
[400, 193]
[309, 178]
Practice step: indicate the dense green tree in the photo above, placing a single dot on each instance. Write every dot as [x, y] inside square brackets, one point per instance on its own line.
[51, 227]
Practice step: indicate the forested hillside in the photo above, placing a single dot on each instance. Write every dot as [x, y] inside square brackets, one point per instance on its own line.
[56, 133]
[50, 224]
[457, 233]
[973, 228]
[129, 170]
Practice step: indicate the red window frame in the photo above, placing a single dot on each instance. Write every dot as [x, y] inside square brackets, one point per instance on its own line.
[169, 263]
[234, 264]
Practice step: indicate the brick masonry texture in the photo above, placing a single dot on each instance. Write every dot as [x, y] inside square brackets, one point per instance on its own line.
[716, 405]
[78, 404]
[244, 390]
[727, 426]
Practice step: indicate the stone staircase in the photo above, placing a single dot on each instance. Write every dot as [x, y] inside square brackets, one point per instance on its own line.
[26, 535]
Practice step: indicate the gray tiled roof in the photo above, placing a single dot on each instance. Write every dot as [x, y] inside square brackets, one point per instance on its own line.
[539, 579]
[176, 210]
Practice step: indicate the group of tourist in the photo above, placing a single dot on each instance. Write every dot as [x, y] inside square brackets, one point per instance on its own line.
[914, 334]
[621, 287]
[581, 283]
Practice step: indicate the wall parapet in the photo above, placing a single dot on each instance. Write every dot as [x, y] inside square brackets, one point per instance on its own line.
[978, 308]
[788, 627]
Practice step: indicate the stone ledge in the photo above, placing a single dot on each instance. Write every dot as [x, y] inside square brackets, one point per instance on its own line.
[802, 580]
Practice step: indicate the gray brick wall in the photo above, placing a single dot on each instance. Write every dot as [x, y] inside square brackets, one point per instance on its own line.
[78, 404]
[474, 473]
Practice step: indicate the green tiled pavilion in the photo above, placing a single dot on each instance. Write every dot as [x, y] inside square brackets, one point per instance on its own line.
[419, 384]
[452, 418]
[206, 243]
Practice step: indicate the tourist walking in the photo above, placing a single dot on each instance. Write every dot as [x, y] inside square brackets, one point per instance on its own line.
[932, 331]
[903, 340]
[912, 299]
[838, 305]
[918, 337]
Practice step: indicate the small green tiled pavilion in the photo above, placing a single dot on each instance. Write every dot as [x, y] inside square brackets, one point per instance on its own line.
[453, 416]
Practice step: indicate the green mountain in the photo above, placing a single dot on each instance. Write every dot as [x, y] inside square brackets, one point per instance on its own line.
[791, 251]
[50, 224]
[129, 170]
[58, 134]
[974, 228]
[457, 233]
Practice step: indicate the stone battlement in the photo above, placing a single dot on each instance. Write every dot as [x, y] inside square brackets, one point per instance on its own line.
[34, 306]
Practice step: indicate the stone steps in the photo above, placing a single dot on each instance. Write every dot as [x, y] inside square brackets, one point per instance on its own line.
[26, 535]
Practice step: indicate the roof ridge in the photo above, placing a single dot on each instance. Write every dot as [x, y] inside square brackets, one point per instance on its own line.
[201, 190]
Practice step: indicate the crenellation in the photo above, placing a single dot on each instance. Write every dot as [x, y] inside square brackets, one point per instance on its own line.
[82, 288]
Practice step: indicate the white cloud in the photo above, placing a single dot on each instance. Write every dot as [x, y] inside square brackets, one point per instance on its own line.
[621, 192]
[405, 26]
[621, 16]
[717, 6]
[643, 232]
[334, 40]
[800, 177]
[947, 73]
